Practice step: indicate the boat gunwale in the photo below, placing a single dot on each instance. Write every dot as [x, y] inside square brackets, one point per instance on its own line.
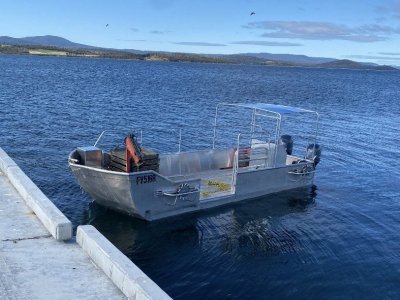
[249, 169]
[102, 170]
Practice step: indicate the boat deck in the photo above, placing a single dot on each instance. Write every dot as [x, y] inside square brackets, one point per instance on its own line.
[213, 182]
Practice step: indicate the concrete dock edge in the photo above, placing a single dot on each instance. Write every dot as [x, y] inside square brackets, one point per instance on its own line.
[52, 218]
[132, 281]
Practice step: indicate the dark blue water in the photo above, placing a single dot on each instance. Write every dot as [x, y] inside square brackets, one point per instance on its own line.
[339, 240]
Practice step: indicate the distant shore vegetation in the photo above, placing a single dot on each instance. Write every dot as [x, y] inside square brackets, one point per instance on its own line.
[154, 56]
[175, 57]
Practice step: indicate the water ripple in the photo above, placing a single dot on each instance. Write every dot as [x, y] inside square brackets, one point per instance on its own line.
[338, 240]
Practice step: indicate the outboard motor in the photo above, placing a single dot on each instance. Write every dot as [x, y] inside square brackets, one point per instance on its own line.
[287, 142]
[314, 153]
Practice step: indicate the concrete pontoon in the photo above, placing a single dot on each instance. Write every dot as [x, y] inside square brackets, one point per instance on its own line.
[259, 161]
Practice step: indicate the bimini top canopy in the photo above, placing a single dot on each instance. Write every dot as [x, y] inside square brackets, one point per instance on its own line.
[265, 110]
[272, 108]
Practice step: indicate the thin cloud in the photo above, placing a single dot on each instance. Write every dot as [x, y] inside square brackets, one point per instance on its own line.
[203, 44]
[380, 20]
[391, 9]
[396, 9]
[127, 40]
[373, 57]
[267, 43]
[375, 28]
[389, 53]
[160, 31]
[308, 30]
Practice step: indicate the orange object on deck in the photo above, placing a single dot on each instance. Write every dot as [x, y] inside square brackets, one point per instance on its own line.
[131, 152]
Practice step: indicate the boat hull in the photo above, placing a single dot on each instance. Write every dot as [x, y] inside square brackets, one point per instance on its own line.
[150, 196]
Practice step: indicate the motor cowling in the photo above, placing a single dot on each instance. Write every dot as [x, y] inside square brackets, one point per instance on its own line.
[287, 142]
[314, 153]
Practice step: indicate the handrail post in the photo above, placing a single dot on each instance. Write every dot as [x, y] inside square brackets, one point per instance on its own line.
[235, 166]
[98, 139]
[180, 140]
[215, 126]
[277, 133]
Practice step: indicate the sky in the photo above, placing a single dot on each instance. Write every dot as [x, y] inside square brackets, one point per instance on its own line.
[361, 30]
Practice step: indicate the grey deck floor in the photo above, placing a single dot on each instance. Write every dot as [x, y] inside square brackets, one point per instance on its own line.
[213, 183]
[33, 265]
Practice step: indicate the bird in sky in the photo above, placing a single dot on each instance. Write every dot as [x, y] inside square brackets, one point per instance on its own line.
[252, 13]
[106, 25]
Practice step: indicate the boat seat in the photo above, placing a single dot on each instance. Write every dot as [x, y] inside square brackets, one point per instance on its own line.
[263, 153]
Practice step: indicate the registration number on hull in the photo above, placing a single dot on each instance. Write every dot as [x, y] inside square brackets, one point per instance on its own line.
[145, 179]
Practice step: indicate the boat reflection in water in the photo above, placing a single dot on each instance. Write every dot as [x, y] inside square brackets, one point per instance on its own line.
[255, 227]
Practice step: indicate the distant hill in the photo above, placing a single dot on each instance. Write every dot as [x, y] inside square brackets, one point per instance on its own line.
[248, 59]
[252, 58]
[298, 59]
[350, 64]
[239, 59]
[58, 46]
[46, 40]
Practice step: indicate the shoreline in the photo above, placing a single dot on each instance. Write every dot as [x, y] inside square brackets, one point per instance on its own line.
[178, 57]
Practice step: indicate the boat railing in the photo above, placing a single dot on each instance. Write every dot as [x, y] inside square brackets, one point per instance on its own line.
[169, 139]
[99, 138]
[229, 133]
[244, 155]
[255, 142]
[258, 151]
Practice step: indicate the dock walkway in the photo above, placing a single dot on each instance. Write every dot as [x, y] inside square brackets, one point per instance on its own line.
[40, 259]
[33, 265]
